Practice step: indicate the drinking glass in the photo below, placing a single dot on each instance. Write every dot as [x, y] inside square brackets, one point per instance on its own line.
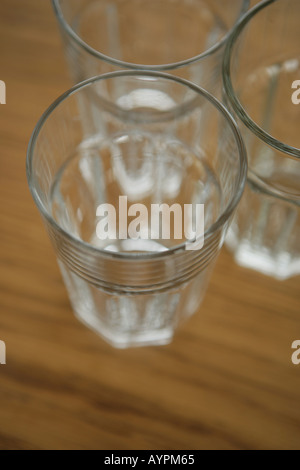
[184, 37]
[261, 77]
[92, 149]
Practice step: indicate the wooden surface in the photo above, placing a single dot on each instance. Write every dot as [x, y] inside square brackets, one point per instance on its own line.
[227, 380]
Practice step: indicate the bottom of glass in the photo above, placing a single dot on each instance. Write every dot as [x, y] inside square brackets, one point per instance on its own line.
[123, 340]
[281, 267]
[123, 320]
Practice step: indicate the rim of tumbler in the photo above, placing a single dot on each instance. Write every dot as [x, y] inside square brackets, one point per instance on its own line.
[222, 219]
[130, 65]
[230, 92]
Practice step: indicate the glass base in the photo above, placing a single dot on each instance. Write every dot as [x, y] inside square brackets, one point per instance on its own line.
[124, 320]
[281, 268]
[125, 340]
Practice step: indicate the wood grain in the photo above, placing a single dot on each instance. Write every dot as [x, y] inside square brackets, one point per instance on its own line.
[227, 380]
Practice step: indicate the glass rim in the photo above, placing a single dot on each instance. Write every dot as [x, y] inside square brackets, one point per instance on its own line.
[130, 65]
[230, 92]
[223, 217]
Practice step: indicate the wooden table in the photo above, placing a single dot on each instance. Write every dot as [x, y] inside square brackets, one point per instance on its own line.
[227, 380]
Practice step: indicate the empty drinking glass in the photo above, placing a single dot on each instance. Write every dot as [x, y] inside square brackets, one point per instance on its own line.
[116, 180]
[184, 37]
[261, 77]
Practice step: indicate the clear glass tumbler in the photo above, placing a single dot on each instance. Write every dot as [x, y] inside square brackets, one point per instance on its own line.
[184, 37]
[90, 150]
[261, 77]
